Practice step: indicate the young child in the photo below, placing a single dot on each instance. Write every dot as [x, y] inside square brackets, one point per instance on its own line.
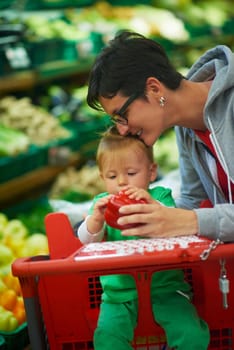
[126, 163]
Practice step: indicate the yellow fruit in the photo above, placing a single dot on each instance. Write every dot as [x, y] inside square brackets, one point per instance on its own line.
[35, 245]
[15, 244]
[6, 255]
[15, 228]
[12, 282]
[5, 269]
[3, 286]
[3, 223]
[19, 311]
[8, 299]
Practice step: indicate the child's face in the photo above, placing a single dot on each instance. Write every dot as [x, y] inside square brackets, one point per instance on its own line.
[127, 167]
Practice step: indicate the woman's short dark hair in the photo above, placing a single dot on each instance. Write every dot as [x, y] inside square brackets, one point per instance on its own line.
[124, 65]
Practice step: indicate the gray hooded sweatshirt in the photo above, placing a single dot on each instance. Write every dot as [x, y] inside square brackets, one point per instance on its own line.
[197, 166]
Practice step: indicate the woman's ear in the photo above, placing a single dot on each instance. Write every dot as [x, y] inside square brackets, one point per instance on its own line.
[153, 172]
[153, 86]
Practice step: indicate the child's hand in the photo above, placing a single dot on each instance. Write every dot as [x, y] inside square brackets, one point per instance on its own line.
[138, 193]
[96, 221]
[99, 208]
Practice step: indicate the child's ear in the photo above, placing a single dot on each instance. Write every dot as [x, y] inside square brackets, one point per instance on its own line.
[153, 172]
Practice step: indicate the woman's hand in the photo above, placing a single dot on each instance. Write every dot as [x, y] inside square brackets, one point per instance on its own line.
[158, 220]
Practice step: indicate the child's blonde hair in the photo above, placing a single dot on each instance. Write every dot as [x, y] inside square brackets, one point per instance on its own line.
[111, 141]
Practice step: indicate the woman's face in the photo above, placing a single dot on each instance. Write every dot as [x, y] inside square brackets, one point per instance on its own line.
[145, 117]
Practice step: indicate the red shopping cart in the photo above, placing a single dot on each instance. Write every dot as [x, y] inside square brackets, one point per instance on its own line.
[62, 292]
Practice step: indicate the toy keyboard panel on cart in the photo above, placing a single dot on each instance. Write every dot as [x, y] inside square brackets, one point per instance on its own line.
[156, 250]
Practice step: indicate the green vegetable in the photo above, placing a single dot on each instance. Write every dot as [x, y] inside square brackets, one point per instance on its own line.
[34, 219]
[75, 196]
[8, 322]
[12, 141]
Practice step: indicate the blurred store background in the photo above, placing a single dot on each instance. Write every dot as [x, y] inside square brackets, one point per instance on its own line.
[48, 134]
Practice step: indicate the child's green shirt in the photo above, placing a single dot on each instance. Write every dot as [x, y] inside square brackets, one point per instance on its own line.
[122, 288]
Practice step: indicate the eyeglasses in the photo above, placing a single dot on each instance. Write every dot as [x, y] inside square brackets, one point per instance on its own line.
[119, 117]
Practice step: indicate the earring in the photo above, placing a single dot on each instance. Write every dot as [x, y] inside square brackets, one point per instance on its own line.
[162, 101]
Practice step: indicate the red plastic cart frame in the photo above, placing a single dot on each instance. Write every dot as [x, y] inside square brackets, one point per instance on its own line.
[62, 291]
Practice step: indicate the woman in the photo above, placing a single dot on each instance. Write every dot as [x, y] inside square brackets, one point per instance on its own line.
[134, 82]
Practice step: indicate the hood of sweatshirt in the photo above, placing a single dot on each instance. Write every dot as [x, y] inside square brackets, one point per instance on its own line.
[217, 64]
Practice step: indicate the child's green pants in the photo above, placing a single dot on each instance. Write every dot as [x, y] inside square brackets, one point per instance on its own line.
[173, 312]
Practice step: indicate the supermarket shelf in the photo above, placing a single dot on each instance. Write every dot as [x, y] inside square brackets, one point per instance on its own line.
[23, 80]
[20, 187]
[57, 69]
[17, 81]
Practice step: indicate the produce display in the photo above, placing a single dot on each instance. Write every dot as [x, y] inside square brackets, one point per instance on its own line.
[199, 12]
[150, 19]
[33, 215]
[12, 311]
[12, 142]
[15, 242]
[68, 103]
[77, 185]
[176, 23]
[49, 27]
[77, 33]
[39, 126]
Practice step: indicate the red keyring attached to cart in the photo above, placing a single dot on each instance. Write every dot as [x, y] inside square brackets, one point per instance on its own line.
[112, 213]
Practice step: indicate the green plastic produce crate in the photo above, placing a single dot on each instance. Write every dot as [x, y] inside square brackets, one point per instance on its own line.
[89, 133]
[129, 2]
[17, 339]
[4, 4]
[90, 46]
[56, 4]
[36, 157]
[86, 46]
[44, 51]
[2, 343]
[12, 167]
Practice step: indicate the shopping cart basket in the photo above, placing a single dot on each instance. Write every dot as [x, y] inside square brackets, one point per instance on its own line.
[62, 292]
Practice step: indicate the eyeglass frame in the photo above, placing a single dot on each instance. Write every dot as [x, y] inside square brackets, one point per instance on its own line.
[120, 113]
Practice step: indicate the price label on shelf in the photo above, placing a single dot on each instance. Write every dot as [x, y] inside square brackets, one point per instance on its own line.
[17, 57]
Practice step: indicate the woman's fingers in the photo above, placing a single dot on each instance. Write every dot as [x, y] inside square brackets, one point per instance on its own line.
[156, 220]
[143, 215]
[138, 208]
